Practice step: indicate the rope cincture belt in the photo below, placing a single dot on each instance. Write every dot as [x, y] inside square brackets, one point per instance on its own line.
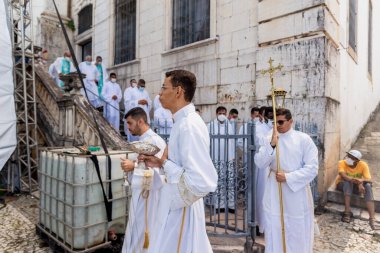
[107, 201]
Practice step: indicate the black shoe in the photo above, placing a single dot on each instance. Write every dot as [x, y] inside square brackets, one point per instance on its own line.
[230, 210]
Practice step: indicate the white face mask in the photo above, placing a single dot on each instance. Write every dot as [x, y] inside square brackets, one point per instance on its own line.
[222, 118]
[256, 119]
[134, 85]
[349, 161]
[113, 80]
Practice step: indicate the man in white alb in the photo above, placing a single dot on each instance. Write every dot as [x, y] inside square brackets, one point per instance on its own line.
[111, 94]
[92, 76]
[190, 174]
[143, 208]
[223, 154]
[299, 165]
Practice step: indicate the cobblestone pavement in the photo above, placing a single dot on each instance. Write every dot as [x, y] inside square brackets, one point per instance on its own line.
[17, 232]
[337, 236]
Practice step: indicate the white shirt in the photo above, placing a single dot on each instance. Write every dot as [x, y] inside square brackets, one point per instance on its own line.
[139, 95]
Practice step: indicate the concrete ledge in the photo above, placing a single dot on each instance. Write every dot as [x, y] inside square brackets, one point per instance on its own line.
[356, 201]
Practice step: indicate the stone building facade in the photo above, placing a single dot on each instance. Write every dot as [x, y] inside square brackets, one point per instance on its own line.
[324, 45]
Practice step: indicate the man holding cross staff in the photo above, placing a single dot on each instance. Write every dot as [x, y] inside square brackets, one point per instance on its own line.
[292, 158]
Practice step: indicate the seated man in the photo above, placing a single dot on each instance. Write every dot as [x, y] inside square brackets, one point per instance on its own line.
[354, 177]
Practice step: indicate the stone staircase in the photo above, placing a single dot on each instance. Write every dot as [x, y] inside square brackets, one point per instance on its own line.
[64, 119]
[368, 143]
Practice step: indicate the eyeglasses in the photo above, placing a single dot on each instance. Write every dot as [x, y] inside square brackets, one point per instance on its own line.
[281, 122]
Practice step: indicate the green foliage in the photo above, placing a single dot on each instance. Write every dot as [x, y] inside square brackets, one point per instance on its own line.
[70, 24]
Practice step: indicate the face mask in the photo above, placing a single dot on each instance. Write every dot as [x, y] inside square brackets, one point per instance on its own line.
[221, 118]
[88, 63]
[232, 120]
[134, 85]
[141, 89]
[67, 58]
[349, 161]
[113, 80]
[270, 122]
[256, 120]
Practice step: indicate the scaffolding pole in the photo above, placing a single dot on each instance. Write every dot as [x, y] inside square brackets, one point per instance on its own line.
[20, 13]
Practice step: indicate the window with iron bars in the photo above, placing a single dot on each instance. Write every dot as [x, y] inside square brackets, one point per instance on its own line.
[191, 21]
[85, 19]
[125, 31]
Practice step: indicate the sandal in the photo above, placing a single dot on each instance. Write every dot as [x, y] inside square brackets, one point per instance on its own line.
[347, 217]
[371, 222]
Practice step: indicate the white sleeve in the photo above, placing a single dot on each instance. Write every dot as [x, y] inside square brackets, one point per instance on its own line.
[197, 176]
[301, 177]
[266, 155]
[106, 94]
[119, 94]
[58, 65]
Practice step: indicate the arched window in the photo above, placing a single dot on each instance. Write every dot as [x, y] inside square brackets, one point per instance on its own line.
[125, 31]
[191, 21]
[85, 19]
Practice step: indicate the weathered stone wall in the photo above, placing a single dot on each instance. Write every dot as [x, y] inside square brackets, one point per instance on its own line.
[51, 35]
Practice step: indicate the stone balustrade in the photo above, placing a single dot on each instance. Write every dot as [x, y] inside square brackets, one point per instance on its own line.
[64, 117]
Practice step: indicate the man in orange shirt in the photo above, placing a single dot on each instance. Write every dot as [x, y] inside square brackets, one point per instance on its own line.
[354, 177]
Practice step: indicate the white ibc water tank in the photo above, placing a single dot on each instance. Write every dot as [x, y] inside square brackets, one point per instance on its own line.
[71, 200]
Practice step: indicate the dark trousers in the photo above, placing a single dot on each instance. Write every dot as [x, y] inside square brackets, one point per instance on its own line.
[348, 188]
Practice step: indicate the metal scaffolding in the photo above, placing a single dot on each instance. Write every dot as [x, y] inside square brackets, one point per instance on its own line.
[20, 13]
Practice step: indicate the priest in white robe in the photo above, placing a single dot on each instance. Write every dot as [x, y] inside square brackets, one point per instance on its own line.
[92, 76]
[299, 165]
[223, 154]
[142, 211]
[111, 94]
[129, 96]
[190, 174]
[141, 98]
[263, 129]
[63, 65]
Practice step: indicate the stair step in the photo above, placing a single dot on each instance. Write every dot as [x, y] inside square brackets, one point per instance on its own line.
[358, 213]
[375, 134]
[335, 196]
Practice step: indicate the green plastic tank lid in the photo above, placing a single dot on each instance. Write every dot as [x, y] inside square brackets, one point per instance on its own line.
[93, 148]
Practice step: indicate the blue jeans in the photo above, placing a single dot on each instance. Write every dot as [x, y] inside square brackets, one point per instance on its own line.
[348, 188]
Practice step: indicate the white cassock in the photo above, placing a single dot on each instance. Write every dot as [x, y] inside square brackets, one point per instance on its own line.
[135, 232]
[163, 120]
[190, 176]
[262, 131]
[92, 75]
[156, 102]
[129, 95]
[299, 160]
[223, 154]
[111, 110]
[139, 95]
[58, 65]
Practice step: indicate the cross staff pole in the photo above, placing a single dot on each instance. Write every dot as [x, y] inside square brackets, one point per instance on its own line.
[271, 71]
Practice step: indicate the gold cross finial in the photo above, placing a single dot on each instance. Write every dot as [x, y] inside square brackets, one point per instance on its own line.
[272, 70]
